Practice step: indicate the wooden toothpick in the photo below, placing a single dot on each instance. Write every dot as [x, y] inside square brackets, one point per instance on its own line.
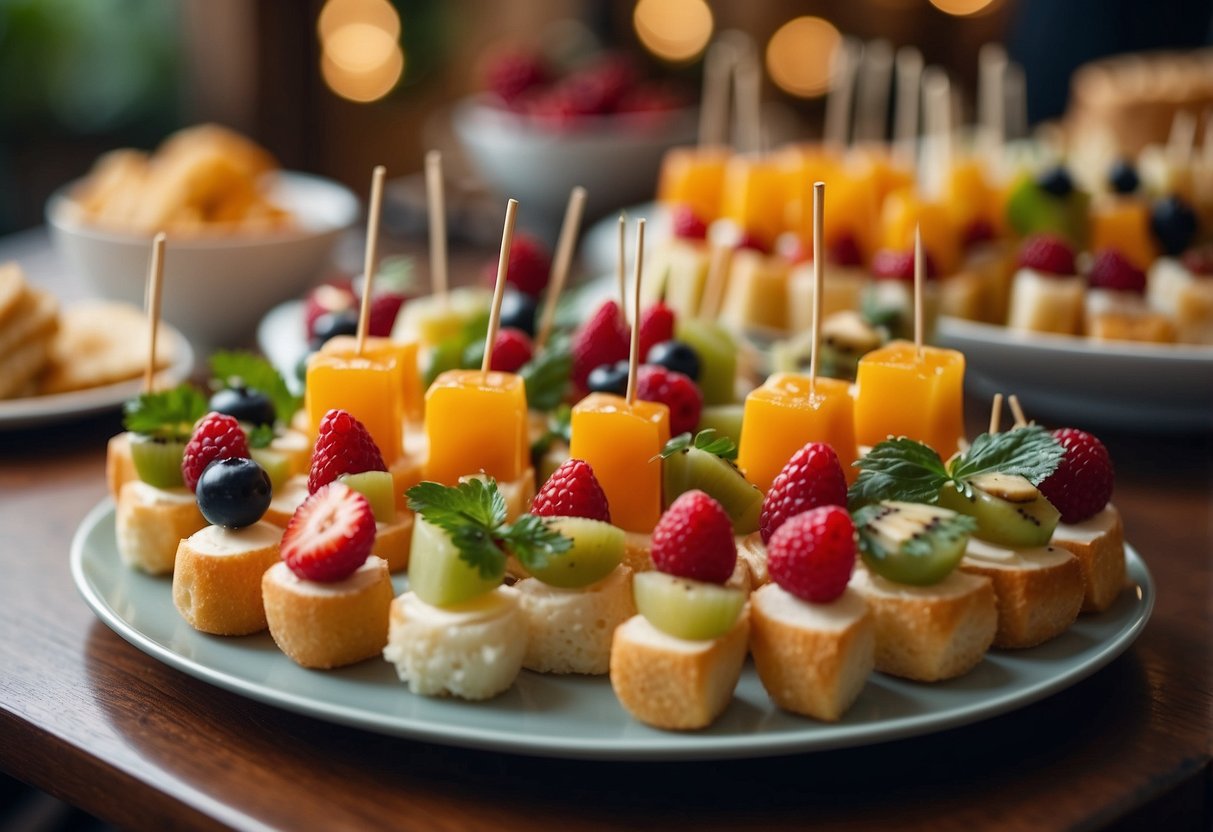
[747, 93]
[621, 268]
[872, 93]
[919, 278]
[841, 93]
[909, 95]
[436, 201]
[819, 256]
[503, 266]
[372, 253]
[560, 265]
[715, 282]
[992, 98]
[155, 279]
[634, 354]
[714, 101]
[1020, 420]
[996, 414]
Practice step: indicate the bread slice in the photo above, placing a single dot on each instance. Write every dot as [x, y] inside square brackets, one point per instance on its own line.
[151, 522]
[285, 500]
[1039, 590]
[217, 578]
[297, 447]
[119, 466]
[406, 472]
[813, 659]
[394, 541]
[570, 630]
[1099, 545]
[930, 633]
[473, 651]
[325, 625]
[675, 683]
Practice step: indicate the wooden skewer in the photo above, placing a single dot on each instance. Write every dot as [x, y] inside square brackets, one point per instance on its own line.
[1020, 420]
[714, 283]
[1182, 137]
[1015, 92]
[920, 277]
[819, 257]
[503, 267]
[714, 102]
[991, 101]
[909, 94]
[747, 88]
[634, 353]
[841, 94]
[155, 279]
[436, 200]
[372, 252]
[937, 103]
[560, 266]
[996, 414]
[872, 94]
[621, 269]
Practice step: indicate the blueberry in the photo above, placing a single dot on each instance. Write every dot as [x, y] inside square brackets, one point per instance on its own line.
[518, 312]
[1056, 181]
[1123, 177]
[609, 378]
[234, 492]
[676, 356]
[332, 324]
[244, 404]
[1174, 224]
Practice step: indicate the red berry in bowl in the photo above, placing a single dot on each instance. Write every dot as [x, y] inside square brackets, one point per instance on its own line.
[694, 539]
[1112, 270]
[511, 74]
[813, 554]
[1082, 484]
[511, 350]
[572, 491]
[343, 446]
[1048, 254]
[330, 535]
[675, 391]
[813, 477]
[216, 436]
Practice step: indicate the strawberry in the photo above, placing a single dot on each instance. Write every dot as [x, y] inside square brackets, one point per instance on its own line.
[1082, 484]
[511, 350]
[1048, 254]
[330, 535]
[601, 340]
[844, 251]
[888, 264]
[529, 266]
[656, 325]
[694, 539]
[384, 308]
[655, 383]
[812, 477]
[812, 555]
[688, 225]
[216, 436]
[343, 446]
[512, 74]
[1112, 270]
[572, 491]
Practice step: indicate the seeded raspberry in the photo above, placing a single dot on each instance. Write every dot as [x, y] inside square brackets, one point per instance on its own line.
[602, 340]
[1048, 254]
[384, 308]
[1112, 270]
[656, 325]
[888, 264]
[528, 267]
[688, 225]
[572, 491]
[812, 477]
[844, 252]
[511, 350]
[1082, 484]
[694, 539]
[813, 554]
[330, 535]
[216, 436]
[343, 446]
[675, 391]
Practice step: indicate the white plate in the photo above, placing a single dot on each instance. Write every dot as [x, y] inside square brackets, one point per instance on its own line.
[47, 410]
[579, 717]
[280, 337]
[1110, 383]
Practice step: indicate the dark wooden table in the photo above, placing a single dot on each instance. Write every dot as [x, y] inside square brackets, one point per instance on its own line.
[90, 719]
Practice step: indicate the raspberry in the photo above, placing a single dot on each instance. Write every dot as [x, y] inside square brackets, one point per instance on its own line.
[656, 325]
[554, 108]
[676, 391]
[688, 225]
[1082, 484]
[602, 340]
[752, 242]
[1111, 270]
[511, 74]
[812, 555]
[528, 267]
[812, 477]
[1047, 253]
[330, 534]
[888, 264]
[384, 308]
[1199, 260]
[844, 252]
[694, 539]
[511, 350]
[343, 446]
[216, 436]
[599, 89]
[572, 491]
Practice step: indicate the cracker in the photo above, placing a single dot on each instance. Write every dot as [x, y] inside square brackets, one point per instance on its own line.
[12, 289]
[21, 366]
[101, 343]
[34, 317]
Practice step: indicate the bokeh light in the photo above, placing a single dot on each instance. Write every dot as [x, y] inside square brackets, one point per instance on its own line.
[963, 8]
[673, 30]
[378, 13]
[800, 56]
[361, 58]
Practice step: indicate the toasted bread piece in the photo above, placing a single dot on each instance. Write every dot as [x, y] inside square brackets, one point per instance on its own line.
[151, 522]
[297, 447]
[285, 500]
[674, 683]
[1039, 590]
[33, 317]
[12, 290]
[217, 578]
[570, 630]
[406, 472]
[328, 625]
[813, 659]
[119, 466]
[637, 551]
[394, 541]
[929, 633]
[100, 343]
[1099, 545]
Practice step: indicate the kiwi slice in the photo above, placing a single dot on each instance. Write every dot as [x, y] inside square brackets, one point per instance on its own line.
[717, 358]
[685, 608]
[439, 575]
[158, 460]
[911, 543]
[725, 419]
[276, 463]
[1009, 510]
[379, 490]
[694, 468]
[597, 549]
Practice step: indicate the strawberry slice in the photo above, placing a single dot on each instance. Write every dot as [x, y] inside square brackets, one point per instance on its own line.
[330, 534]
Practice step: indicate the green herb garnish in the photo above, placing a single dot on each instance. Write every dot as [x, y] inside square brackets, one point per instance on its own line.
[238, 368]
[559, 429]
[170, 414]
[547, 374]
[706, 440]
[260, 436]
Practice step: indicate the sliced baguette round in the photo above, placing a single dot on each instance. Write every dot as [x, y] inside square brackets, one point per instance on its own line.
[217, 578]
[394, 541]
[119, 465]
[1099, 545]
[151, 522]
[285, 500]
[570, 630]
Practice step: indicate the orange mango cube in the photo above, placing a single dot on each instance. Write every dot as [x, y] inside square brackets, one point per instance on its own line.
[754, 196]
[369, 387]
[903, 212]
[902, 394]
[785, 414]
[694, 176]
[622, 445]
[476, 422]
[968, 196]
[404, 353]
[1124, 224]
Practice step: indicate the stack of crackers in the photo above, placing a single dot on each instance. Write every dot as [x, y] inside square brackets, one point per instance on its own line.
[29, 321]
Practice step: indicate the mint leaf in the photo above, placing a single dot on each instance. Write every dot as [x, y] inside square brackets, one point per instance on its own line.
[476, 502]
[1030, 452]
[898, 469]
[169, 414]
[533, 542]
[706, 440]
[260, 436]
[234, 368]
[547, 375]
[676, 443]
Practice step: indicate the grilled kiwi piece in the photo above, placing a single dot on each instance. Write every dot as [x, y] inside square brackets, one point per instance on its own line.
[911, 543]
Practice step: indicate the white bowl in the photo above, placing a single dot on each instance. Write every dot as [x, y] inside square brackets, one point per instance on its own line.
[616, 158]
[216, 288]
